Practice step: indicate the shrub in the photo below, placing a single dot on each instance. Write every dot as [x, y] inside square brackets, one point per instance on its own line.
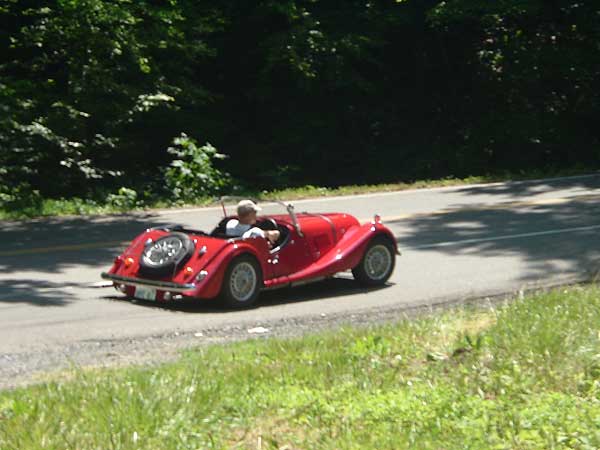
[21, 198]
[125, 198]
[192, 175]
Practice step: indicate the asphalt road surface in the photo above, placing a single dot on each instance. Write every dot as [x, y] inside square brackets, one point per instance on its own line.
[457, 243]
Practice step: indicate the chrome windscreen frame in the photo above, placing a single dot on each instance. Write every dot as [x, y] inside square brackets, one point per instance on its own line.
[288, 206]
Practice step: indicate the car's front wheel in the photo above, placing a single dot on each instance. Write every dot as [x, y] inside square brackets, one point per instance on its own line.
[242, 282]
[377, 264]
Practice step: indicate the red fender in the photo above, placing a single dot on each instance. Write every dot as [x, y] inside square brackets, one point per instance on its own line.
[346, 254]
[210, 287]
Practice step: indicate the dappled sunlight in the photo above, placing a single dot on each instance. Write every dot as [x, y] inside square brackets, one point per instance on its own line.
[466, 225]
[36, 292]
[61, 248]
[552, 239]
[517, 190]
[548, 239]
[52, 245]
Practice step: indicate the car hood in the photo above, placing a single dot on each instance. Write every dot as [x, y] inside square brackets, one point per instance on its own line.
[314, 224]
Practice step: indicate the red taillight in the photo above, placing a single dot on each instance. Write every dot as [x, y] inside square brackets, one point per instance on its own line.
[118, 260]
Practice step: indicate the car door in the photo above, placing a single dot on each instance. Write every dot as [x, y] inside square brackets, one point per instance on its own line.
[295, 255]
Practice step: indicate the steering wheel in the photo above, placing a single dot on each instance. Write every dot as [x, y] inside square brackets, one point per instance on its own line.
[267, 224]
[270, 224]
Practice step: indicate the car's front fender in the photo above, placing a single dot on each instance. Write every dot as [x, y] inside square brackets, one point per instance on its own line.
[346, 254]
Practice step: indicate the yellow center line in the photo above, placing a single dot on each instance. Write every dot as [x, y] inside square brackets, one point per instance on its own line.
[484, 207]
[63, 248]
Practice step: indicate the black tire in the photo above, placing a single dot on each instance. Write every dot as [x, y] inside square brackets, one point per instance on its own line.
[156, 261]
[244, 296]
[381, 248]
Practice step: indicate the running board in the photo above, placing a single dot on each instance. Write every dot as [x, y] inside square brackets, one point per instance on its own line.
[295, 283]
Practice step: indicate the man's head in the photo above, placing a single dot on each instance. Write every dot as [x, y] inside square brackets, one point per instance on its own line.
[246, 210]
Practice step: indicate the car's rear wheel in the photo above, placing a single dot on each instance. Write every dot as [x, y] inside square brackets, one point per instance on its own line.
[378, 262]
[242, 282]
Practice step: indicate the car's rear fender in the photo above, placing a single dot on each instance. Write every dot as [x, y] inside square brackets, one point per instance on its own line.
[215, 270]
[205, 250]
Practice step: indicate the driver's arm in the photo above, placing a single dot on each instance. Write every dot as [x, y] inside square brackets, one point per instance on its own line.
[254, 232]
[272, 235]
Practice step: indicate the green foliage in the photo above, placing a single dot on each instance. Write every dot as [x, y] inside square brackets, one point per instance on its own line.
[20, 198]
[534, 62]
[192, 175]
[32, 205]
[92, 91]
[124, 199]
[528, 378]
[80, 77]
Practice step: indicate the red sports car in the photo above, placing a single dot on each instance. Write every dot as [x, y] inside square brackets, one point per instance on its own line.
[171, 263]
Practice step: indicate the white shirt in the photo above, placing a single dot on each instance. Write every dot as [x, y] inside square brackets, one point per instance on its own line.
[235, 229]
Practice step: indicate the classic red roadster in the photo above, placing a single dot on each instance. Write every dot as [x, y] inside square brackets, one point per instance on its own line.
[173, 262]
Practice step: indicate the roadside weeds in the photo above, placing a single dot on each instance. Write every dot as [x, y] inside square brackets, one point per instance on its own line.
[521, 375]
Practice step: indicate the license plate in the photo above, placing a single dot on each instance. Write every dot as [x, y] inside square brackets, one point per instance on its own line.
[145, 293]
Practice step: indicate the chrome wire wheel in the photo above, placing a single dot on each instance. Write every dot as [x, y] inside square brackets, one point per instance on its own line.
[243, 281]
[163, 251]
[378, 261]
[164, 256]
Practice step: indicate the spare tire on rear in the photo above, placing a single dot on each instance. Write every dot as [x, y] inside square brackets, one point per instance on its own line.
[166, 255]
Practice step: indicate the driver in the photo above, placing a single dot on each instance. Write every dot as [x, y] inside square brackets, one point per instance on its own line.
[244, 225]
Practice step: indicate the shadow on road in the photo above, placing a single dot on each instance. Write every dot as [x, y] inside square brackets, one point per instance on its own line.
[545, 256]
[518, 189]
[36, 292]
[322, 290]
[19, 237]
[18, 269]
[510, 232]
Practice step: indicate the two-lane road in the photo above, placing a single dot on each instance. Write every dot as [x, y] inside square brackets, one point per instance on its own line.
[469, 241]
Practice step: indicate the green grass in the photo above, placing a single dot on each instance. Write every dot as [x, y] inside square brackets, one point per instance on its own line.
[525, 376]
[79, 206]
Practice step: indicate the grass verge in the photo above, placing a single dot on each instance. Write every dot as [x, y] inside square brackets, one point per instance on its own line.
[524, 376]
[79, 206]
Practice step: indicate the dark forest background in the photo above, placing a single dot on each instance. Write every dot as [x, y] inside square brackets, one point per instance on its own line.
[95, 94]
